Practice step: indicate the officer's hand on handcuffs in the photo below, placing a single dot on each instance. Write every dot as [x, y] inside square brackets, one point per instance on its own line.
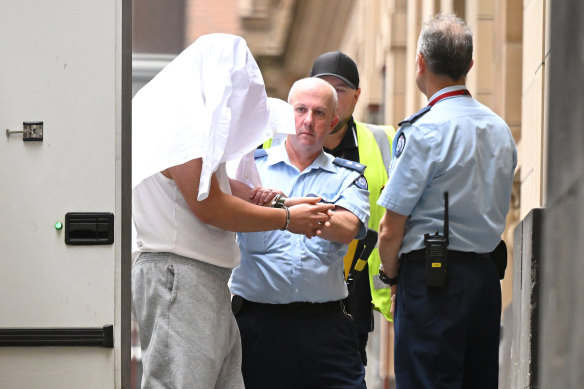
[310, 216]
[277, 199]
[315, 201]
[264, 196]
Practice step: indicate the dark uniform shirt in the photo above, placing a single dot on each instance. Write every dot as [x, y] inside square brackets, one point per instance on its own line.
[347, 149]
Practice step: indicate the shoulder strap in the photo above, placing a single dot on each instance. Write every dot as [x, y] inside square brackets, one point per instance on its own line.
[415, 116]
[358, 167]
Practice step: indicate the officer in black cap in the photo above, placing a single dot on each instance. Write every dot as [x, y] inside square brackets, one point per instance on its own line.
[358, 142]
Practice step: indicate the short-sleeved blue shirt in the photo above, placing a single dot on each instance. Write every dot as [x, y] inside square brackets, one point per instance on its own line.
[278, 267]
[462, 147]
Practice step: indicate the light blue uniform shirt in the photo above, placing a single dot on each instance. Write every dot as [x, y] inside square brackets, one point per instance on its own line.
[278, 267]
[462, 147]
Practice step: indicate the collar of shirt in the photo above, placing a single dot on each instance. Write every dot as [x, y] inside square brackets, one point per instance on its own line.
[278, 154]
[446, 90]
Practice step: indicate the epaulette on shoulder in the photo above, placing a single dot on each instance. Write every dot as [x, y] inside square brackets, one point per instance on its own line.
[415, 116]
[359, 167]
[259, 153]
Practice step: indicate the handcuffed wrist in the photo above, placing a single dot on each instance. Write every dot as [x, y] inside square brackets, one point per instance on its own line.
[278, 201]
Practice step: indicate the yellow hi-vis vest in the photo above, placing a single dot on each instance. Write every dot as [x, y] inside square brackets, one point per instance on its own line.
[374, 144]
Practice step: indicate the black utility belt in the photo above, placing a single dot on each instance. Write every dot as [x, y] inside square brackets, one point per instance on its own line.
[436, 262]
[419, 255]
[238, 303]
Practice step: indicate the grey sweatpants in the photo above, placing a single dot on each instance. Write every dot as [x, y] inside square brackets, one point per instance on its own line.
[188, 334]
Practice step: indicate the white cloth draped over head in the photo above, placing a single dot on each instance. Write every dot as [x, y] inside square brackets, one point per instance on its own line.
[210, 102]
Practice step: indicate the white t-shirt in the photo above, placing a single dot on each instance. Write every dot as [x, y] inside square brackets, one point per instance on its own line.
[165, 223]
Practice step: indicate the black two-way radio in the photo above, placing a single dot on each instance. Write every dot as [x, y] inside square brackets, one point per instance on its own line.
[436, 246]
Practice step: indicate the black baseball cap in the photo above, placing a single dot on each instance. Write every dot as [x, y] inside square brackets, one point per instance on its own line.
[335, 63]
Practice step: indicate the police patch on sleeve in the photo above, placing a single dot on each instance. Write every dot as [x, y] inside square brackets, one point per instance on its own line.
[400, 145]
[361, 183]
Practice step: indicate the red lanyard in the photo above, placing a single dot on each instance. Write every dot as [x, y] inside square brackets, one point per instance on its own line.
[459, 92]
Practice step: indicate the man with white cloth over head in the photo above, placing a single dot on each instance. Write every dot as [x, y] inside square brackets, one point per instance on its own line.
[207, 107]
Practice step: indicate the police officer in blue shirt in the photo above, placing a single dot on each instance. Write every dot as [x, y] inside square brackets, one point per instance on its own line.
[446, 332]
[288, 289]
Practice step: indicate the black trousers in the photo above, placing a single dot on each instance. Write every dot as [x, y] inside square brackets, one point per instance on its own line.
[448, 337]
[296, 346]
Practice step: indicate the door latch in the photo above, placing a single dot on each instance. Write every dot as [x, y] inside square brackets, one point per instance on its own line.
[31, 131]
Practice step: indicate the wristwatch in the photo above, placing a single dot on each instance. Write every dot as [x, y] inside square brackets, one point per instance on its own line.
[385, 279]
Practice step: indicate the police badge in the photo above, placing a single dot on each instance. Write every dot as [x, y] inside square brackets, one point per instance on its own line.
[400, 144]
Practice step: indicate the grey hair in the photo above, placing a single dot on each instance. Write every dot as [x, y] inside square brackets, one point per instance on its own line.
[446, 44]
[310, 82]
